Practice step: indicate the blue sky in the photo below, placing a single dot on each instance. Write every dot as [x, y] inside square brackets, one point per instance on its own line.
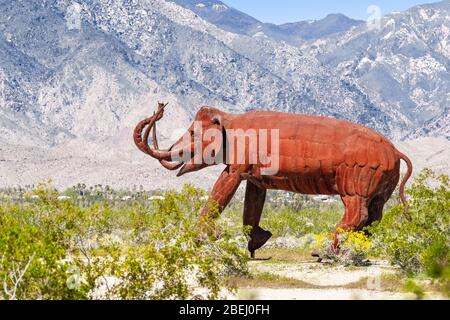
[281, 11]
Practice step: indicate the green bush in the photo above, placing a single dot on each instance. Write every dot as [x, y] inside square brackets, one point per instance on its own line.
[418, 240]
[411, 286]
[32, 260]
[286, 221]
[51, 249]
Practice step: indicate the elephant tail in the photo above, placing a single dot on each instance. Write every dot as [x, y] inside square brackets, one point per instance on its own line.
[405, 178]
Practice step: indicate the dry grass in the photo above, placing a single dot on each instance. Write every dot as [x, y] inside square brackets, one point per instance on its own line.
[269, 280]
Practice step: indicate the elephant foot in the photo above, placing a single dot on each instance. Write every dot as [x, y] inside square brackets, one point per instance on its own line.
[258, 238]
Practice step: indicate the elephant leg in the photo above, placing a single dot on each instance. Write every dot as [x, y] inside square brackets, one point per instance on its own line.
[255, 197]
[356, 213]
[355, 216]
[375, 210]
[376, 205]
[222, 193]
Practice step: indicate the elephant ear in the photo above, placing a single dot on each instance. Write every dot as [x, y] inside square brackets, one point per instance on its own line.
[217, 119]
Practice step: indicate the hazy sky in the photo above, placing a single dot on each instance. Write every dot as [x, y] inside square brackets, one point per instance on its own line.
[281, 11]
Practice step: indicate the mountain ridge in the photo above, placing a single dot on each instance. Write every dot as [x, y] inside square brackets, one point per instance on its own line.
[78, 92]
[235, 21]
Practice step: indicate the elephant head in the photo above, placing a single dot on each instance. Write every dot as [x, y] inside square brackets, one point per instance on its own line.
[201, 146]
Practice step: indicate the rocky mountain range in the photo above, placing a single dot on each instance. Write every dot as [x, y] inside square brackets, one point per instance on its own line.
[232, 20]
[402, 65]
[75, 77]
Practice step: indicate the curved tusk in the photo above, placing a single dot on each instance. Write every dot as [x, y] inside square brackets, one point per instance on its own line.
[137, 136]
[142, 142]
[155, 153]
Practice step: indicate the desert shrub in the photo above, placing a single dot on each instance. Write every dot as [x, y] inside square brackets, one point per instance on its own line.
[51, 249]
[418, 240]
[411, 286]
[178, 257]
[32, 261]
[286, 221]
[288, 214]
[354, 247]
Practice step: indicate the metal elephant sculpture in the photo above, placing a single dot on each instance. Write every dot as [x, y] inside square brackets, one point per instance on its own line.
[292, 152]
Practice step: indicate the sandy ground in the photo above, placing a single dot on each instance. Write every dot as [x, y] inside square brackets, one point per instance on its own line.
[325, 275]
[319, 294]
[326, 282]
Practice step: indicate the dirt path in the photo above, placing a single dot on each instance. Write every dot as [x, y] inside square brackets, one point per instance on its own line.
[317, 281]
[325, 275]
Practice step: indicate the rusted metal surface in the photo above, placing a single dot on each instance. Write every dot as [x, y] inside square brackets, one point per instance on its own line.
[316, 155]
